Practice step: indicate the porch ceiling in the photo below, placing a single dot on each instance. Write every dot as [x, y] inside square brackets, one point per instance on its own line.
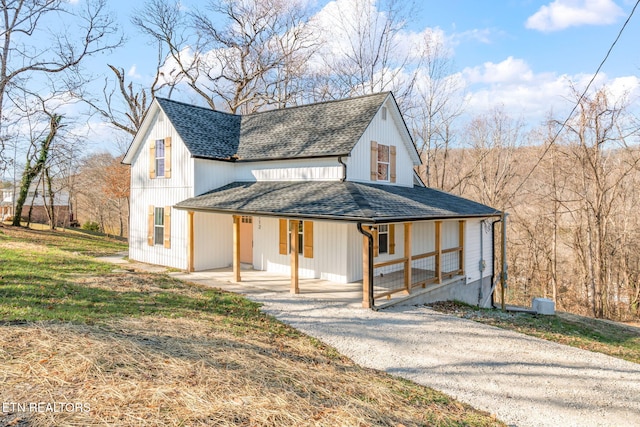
[335, 200]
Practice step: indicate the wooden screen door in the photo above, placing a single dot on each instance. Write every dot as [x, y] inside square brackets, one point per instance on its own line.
[246, 239]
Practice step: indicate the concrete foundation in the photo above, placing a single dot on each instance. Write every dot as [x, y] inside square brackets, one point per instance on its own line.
[473, 293]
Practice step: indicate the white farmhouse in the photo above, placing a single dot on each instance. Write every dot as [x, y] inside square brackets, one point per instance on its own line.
[325, 191]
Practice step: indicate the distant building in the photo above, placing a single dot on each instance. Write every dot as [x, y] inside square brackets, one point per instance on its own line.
[36, 203]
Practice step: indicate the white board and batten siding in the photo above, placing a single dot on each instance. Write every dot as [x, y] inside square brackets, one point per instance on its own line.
[160, 192]
[211, 174]
[213, 241]
[321, 169]
[475, 252]
[382, 131]
[329, 260]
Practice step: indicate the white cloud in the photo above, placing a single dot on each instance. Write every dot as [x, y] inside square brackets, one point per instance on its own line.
[508, 71]
[481, 35]
[515, 86]
[625, 87]
[562, 14]
[133, 72]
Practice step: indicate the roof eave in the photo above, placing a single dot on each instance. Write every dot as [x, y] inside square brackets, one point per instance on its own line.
[354, 219]
[137, 139]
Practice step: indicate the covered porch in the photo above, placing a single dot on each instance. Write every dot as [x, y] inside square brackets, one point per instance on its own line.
[259, 282]
[428, 255]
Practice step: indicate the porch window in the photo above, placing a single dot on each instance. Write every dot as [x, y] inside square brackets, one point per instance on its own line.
[159, 154]
[158, 229]
[383, 238]
[305, 238]
[383, 162]
[300, 238]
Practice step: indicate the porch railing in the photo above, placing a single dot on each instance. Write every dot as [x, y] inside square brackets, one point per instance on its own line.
[392, 276]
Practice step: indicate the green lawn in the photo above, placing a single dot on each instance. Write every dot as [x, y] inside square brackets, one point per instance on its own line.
[606, 337]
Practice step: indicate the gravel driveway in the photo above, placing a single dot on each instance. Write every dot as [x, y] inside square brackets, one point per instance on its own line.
[523, 380]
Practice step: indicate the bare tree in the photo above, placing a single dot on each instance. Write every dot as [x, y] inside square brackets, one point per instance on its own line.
[124, 106]
[102, 185]
[365, 53]
[35, 163]
[439, 102]
[249, 61]
[116, 189]
[48, 37]
[604, 160]
[493, 164]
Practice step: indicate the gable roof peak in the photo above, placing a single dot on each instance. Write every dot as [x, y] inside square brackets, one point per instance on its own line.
[161, 100]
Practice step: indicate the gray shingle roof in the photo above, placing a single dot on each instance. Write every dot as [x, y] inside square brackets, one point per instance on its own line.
[206, 132]
[347, 201]
[325, 129]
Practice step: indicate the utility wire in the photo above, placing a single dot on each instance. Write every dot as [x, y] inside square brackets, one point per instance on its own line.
[573, 110]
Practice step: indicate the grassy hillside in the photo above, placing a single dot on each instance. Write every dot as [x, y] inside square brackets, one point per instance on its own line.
[139, 349]
[602, 336]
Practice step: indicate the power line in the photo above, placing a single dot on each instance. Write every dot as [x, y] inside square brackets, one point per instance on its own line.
[564, 124]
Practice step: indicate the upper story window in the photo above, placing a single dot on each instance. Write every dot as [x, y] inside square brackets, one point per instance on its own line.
[160, 152]
[160, 158]
[383, 162]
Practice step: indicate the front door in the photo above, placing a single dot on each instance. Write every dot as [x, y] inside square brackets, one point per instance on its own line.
[246, 239]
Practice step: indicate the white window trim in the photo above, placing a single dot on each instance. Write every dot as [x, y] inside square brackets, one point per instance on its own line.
[388, 163]
[160, 160]
[158, 216]
[300, 238]
[383, 229]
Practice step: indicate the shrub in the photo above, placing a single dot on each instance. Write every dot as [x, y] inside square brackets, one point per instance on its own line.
[91, 226]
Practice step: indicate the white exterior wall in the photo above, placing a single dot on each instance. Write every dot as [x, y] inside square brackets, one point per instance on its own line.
[423, 238]
[354, 253]
[450, 234]
[324, 169]
[211, 174]
[213, 241]
[383, 132]
[329, 260]
[160, 192]
[473, 254]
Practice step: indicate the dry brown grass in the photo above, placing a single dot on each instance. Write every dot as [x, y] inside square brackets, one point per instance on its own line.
[160, 371]
[140, 349]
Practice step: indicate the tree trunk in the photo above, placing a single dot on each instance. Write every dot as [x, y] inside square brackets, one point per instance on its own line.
[31, 172]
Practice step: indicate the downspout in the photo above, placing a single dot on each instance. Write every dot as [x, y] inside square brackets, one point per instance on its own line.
[482, 263]
[369, 236]
[344, 169]
[493, 269]
[503, 274]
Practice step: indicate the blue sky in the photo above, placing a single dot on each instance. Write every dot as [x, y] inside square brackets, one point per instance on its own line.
[519, 54]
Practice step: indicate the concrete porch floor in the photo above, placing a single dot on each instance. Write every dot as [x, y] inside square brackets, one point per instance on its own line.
[259, 282]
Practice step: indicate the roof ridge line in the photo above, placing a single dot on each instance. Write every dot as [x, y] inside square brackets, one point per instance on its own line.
[359, 198]
[186, 104]
[329, 101]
